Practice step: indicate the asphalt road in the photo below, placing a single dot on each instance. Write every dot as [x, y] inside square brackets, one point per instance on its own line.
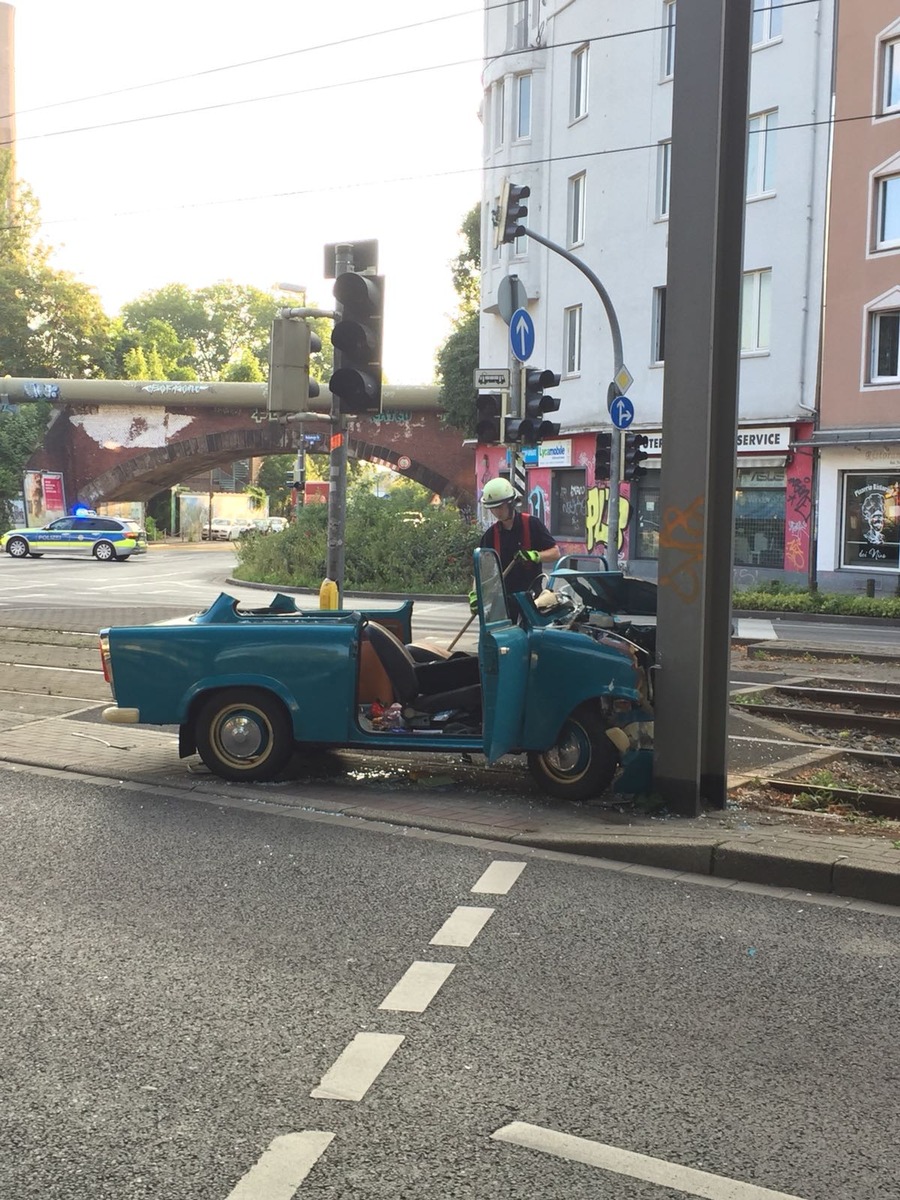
[174, 581]
[186, 988]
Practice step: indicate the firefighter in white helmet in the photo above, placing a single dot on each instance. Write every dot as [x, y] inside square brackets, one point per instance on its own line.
[518, 538]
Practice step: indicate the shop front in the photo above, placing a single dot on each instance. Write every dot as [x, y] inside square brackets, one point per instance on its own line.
[859, 516]
[773, 500]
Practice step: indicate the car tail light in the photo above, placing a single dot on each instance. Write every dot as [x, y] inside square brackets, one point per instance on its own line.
[105, 658]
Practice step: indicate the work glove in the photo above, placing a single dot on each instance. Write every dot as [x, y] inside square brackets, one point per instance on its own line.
[473, 602]
[529, 555]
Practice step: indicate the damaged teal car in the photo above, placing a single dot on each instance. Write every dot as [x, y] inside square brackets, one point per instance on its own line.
[570, 685]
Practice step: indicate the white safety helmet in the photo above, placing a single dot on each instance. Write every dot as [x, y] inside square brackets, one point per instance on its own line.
[497, 492]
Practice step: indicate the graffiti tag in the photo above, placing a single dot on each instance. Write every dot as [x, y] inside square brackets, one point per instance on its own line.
[682, 531]
[597, 518]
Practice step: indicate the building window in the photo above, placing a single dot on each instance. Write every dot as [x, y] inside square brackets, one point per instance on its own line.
[645, 501]
[663, 178]
[759, 504]
[871, 521]
[884, 340]
[500, 113]
[518, 24]
[520, 246]
[572, 340]
[668, 44]
[891, 69]
[761, 154]
[766, 21]
[576, 210]
[523, 106]
[568, 504]
[579, 99]
[658, 351]
[887, 216]
[756, 311]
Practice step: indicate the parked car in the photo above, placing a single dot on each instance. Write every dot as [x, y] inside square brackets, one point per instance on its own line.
[240, 526]
[221, 529]
[271, 524]
[570, 685]
[109, 539]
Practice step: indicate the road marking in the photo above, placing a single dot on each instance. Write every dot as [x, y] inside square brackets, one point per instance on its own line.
[499, 877]
[635, 1166]
[418, 987]
[282, 1167]
[462, 927]
[358, 1066]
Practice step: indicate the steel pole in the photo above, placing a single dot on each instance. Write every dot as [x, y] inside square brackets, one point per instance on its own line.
[615, 456]
[337, 473]
[696, 535]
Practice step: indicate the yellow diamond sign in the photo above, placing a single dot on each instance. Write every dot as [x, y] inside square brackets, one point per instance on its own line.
[623, 379]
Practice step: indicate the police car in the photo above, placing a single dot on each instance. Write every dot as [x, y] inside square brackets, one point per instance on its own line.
[109, 539]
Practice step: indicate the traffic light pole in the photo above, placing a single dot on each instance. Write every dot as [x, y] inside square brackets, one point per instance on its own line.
[615, 464]
[337, 472]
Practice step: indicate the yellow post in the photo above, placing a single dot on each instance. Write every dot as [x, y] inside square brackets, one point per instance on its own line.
[328, 594]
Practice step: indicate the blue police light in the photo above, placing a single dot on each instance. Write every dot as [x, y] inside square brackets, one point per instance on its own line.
[81, 511]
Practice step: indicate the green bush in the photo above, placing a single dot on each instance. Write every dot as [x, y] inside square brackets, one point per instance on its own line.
[793, 599]
[382, 552]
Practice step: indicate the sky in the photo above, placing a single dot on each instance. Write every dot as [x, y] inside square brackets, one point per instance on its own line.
[321, 126]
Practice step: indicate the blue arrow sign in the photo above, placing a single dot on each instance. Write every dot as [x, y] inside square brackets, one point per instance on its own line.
[622, 412]
[521, 335]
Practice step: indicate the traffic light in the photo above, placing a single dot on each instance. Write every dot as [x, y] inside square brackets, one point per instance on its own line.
[635, 455]
[290, 386]
[356, 382]
[531, 429]
[603, 457]
[511, 212]
[488, 410]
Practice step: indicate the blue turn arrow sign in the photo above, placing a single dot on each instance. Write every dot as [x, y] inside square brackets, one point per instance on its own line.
[621, 411]
[521, 335]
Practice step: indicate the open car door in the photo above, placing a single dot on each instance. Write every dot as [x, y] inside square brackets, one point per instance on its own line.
[503, 659]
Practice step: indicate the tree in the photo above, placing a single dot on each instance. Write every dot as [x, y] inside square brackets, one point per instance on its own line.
[205, 330]
[51, 325]
[457, 358]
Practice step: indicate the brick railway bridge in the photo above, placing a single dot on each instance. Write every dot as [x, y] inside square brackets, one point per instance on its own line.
[130, 439]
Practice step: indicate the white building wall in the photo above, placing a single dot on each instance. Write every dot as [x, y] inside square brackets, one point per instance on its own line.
[629, 113]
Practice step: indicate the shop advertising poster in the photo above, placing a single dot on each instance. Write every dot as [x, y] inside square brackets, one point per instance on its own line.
[872, 521]
[45, 498]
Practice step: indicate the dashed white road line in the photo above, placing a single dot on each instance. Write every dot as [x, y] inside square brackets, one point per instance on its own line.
[418, 987]
[358, 1066]
[499, 877]
[462, 927]
[282, 1167]
[635, 1166]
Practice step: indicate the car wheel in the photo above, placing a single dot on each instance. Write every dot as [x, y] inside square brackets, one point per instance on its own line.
[244, 734]
[17, 548]
[105, 552]
[581, 763]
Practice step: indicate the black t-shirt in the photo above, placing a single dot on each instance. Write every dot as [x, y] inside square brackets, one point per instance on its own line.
[523, 574]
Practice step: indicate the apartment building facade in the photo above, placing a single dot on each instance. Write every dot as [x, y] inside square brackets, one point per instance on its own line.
[858, 437]
[578, 106]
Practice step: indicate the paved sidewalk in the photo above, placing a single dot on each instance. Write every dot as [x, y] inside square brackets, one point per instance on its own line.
[734, 845]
